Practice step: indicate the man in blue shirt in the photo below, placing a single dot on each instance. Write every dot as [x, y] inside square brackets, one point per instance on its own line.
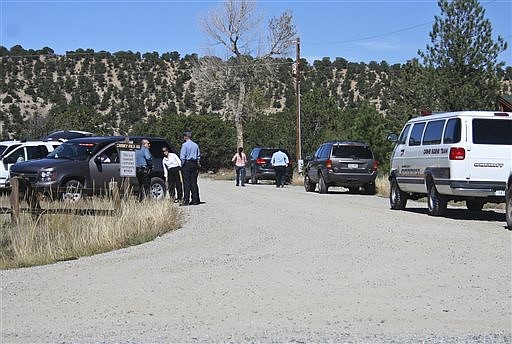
[279, 161]
[143, 165]
[190, 156]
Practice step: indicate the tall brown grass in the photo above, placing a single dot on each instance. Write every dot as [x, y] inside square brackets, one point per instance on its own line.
[48, 238]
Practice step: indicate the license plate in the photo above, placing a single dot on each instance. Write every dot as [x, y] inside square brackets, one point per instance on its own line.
[353, 165]
[499, 192]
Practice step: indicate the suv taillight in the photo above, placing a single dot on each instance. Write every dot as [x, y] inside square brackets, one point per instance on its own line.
[328, 164]
[375, 165]
[260, 161]
[457, 153]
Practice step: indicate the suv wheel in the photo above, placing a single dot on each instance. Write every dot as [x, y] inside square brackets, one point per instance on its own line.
[353, 189]
[474, 205]
[308, 185]
[369, 188]
[436, 202]
[73, 191]
[397, 198]
[157, 188]
[322, 186]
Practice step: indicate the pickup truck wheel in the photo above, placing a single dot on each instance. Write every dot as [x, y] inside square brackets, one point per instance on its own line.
[72, 191]
[436, 202]
[322, 186]
[308, 184]
[157, 189]
[474, 205]
[397, 198]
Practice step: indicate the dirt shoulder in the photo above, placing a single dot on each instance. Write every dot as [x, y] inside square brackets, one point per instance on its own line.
[266, 264]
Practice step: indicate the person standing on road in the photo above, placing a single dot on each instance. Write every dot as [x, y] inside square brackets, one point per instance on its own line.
[190, 156]
[172, 166]
[143, 166]
[279, 161]
[240, 159]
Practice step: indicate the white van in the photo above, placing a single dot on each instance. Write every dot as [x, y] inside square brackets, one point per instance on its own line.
[12, 152]
[459, 156]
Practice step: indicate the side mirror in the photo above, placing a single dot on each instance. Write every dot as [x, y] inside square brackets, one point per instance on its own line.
[97, 160]
[392, 138]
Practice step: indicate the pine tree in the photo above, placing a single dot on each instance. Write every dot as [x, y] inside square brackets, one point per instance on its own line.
[464, 56]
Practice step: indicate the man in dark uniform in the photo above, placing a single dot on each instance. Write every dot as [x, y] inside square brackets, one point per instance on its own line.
[143, 166]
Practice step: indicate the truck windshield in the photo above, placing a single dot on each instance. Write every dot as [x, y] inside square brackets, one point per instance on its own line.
[72, 151]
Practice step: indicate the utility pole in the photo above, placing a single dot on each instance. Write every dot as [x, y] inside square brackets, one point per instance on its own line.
[297, 91]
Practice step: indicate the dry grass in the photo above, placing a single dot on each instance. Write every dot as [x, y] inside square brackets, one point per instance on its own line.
[382, 185]
[49, 238]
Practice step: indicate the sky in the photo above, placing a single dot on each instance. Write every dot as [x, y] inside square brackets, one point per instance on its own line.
[359, 31]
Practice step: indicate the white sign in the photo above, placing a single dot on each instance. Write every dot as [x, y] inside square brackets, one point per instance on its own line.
[127, 159]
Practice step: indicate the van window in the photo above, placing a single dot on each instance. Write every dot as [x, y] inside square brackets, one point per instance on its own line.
[433, 133]
[492, 131]
[416, 133]
[403, 135]
[452, 131]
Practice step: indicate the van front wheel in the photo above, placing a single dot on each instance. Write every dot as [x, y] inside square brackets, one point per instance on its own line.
[397, 198]
[436, 202]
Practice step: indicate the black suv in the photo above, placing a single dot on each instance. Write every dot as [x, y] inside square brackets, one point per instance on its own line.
[341, 163]
[258, 165]
[86, 166]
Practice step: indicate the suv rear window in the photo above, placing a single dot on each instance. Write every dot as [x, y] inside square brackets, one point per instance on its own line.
[492, 131]
[267, 153]
[345, 151]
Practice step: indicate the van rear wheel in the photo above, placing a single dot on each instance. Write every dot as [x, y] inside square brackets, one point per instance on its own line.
[436, 202]
[509, 210]
[397, 198]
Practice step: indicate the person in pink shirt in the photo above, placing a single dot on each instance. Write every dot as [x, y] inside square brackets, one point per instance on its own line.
[240, 159]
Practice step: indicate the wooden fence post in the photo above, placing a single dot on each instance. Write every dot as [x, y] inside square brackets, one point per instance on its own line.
[15, 200]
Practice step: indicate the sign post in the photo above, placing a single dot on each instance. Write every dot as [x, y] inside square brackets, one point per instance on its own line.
[127, 162]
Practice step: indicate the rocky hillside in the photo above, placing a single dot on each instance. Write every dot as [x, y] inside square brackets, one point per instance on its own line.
[110, 92]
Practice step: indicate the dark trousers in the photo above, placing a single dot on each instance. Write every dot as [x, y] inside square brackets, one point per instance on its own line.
[144, 182]
[190, 171]
[174, 183]
[280, 171]
[240, 175]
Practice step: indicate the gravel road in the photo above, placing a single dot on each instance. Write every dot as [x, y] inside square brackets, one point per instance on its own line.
[262, 264]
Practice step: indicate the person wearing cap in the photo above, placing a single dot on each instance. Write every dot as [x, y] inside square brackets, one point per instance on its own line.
[190, 156]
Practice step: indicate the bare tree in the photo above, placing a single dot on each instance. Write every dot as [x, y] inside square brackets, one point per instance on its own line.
[235, 27]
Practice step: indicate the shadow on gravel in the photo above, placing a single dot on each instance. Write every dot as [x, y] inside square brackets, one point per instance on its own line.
[464, 214]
